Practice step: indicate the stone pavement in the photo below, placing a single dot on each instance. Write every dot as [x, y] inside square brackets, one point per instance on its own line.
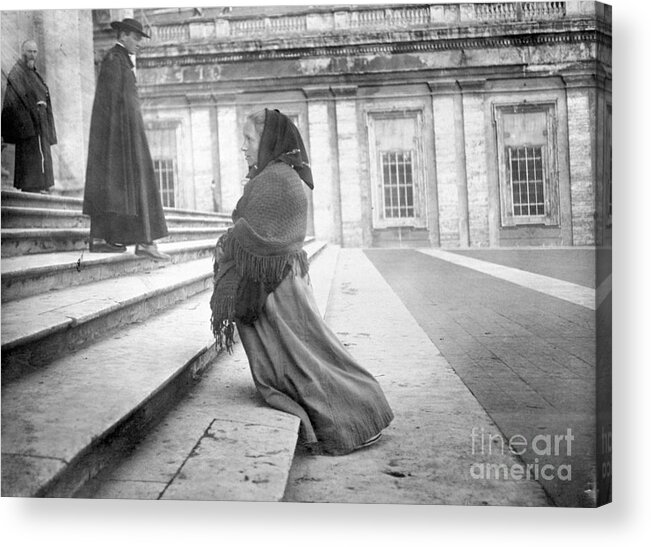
[528, 356]
[442, 447]
[468, 360]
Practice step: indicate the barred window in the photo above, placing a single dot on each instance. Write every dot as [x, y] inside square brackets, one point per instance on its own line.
[527, 180]
[162, 136]
[398, 184]
[164, 170]
[527, 160]
[398, 196]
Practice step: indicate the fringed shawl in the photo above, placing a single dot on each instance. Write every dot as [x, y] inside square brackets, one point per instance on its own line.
[263, 245]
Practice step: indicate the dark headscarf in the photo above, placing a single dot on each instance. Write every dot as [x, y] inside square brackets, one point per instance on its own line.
[281, 140]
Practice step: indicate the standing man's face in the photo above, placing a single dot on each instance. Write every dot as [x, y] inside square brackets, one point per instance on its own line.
[30, 52]
[131, 41]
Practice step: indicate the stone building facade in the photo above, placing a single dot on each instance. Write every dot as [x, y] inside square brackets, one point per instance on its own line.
[454, 125]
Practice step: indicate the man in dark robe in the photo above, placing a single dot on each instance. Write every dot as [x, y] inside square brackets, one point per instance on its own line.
[121, 196]
[27, 122]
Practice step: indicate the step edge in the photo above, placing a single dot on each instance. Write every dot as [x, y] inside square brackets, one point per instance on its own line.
[99, 261]
[80, 320]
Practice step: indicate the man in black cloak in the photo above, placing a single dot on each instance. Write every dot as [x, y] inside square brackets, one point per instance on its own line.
[122, 196]
[27, 122]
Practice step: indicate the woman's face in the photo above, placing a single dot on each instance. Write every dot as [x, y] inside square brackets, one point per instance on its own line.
[251, 143]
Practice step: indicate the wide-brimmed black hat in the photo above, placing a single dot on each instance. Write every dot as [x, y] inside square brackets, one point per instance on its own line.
[129, 25]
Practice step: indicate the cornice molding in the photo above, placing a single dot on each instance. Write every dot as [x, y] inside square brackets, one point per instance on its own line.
[344, 91]
[259, 51]
[444, 87]
[316, 92]
[587, 80]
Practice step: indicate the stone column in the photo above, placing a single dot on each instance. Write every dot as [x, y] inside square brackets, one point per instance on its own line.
[482, 227]
[230, 142]
[349, 160]
[323, 160]
[581, 100]
[69, 72]
[447, 108]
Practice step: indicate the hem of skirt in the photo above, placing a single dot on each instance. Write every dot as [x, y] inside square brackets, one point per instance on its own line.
[385, 420]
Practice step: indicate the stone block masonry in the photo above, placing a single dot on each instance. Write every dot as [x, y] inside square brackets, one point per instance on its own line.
[475, 136]
[202, 159]
[581, 129]
[228, 148]
[351, 201]
[321, 160]
[446, 154]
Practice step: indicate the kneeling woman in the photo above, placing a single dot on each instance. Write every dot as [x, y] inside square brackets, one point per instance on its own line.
[261, 284]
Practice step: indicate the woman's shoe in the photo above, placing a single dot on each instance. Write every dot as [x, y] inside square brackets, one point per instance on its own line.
[106, 247]
[150, 250]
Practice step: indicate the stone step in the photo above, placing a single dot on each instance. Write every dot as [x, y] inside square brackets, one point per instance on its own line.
[64, 423]
[38, 329]
[32, 217]
[14, 198]
[23, 241]
[24, 276]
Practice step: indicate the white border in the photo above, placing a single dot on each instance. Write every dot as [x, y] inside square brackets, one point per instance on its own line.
[626, 522]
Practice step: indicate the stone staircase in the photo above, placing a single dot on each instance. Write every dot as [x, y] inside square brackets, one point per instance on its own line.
[96, 348]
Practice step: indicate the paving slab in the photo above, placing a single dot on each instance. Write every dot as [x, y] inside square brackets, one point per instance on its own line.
[565, 290]
[427, 455]
[588, 266]
[528, 356]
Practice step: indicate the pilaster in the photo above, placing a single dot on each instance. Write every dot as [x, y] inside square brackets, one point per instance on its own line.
[447, 107]
[229, 151]
[482, 222]
[323, 143]
[67, 54]
[581, 99]
[201, 190]
[348, 154]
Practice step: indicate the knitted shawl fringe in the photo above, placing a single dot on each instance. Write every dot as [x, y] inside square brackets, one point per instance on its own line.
[269, 270]
[242, 266]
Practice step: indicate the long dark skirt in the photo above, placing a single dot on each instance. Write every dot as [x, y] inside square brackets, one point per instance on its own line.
[33, 165]
[300, 366]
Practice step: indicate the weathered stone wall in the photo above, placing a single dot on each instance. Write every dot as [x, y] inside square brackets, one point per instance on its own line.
[347, 60]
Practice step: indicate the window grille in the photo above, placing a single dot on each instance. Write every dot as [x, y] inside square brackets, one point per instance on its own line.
[162, 137]
[398, 184]
[164, 170]
[527, 180]
[527, 162]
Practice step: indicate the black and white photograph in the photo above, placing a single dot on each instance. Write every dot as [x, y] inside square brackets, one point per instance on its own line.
[325, 253]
